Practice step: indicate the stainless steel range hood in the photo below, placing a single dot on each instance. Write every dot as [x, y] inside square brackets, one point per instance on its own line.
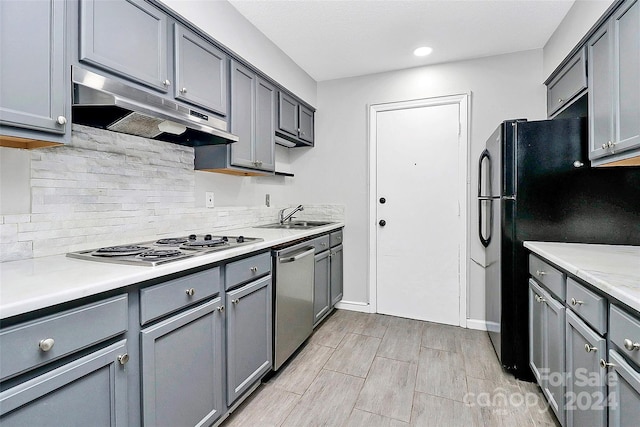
[109, 104]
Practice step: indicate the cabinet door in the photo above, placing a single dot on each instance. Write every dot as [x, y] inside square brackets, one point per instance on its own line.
[183, 387]
[126, 37]
[201, 72]
[626, 97]
[321, 296]
[288, 114]
[600, 77]
[586, 386]
[624, 392]
[33, 82]
[90, 391]
[555, 356]
[336, 274]
[265, 144]
[242, 114]
[306, 124]
[536, 332]
[249, 338]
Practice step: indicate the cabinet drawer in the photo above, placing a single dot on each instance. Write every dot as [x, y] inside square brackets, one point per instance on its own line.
[159, 300]
[569, 82]
[625, 329]
[247, 269]
[588, 305]
[320, 244]
[549, 276]
[335, 238]
[34, 343]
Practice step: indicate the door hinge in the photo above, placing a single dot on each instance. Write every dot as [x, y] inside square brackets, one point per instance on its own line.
[459, 128]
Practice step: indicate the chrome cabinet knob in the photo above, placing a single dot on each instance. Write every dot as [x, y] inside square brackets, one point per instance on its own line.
[540, 299]
[123, 359]
[235, 301]
[166, 83]
[221, 308]
[540, 273]
[323, 244]
[604, 146]
[62, 120]
[560, 100]
[46, 344]
[191, 292]
[589, 348]
[578, 164]
[576, 302]
[254, 269]
[604, 364]
[183, 90]
[630, 345]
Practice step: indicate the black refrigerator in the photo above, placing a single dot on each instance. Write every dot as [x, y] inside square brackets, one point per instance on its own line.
[535, 183]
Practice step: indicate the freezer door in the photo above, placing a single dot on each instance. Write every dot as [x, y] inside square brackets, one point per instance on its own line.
[492, 185]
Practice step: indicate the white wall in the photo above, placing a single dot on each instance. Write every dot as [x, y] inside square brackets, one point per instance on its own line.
[575, 25]
[336, 170]
[225, 24]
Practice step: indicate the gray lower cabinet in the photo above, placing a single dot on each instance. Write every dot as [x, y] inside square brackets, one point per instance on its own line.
[182, 368]
[586, 395]
[624, 392]
[249, 336]
[89, 391]
[252, 119]
[201, 71]
[321, 290]
[34, 87]
[547, 345]
[127, 38]
[613, 80]
[336, 273]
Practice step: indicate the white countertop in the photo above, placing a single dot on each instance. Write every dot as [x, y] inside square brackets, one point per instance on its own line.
[613, 269]
[32, 284]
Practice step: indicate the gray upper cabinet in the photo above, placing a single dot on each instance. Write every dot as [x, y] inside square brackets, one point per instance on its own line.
[614, 88]
[182, 368]
[201, 71]
[295, 120]
[34, 87]
[566, 84]
[252, 118]
[89, 391]
[126, 37]
[249, 336]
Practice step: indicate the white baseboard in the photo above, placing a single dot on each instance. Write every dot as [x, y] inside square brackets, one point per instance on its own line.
[362, 307]
[480, 325]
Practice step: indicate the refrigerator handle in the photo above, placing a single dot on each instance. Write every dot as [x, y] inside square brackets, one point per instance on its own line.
[485, 155]
[485, 240]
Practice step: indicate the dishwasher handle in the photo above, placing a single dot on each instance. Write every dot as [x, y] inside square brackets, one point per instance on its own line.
[304, 253]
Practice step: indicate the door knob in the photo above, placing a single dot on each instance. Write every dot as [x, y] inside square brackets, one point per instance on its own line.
[382, 223]
[383, 200]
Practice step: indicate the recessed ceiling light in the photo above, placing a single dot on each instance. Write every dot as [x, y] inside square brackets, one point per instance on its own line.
[422, 51]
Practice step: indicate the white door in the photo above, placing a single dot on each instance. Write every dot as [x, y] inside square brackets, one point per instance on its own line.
[418, 248]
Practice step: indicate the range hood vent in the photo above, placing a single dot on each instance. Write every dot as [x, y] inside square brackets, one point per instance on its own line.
[108, 104]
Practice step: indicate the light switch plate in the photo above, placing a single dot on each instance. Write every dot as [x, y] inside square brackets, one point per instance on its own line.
[209, 199]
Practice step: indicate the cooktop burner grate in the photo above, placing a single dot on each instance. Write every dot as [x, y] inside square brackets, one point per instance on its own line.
[172, 241]
[124, 250]
[160, 253]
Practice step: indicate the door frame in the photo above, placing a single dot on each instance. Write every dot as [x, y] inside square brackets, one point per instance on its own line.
[462, 100]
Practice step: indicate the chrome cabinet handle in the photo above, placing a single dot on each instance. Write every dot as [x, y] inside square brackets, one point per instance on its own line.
[62, 120]
[589, 348]
[560, 100]
[46, 344]
[576, 302]
[235, 301]
[604, 364]
[221, 308]
[183, 90]
[540, 299]
[254, 269]
[578, 164]
[191, 292]
[166, 83]
[540, 273]
[123, 359]
[630, 345]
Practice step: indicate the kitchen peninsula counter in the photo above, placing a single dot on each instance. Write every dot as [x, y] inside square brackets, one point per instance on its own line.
[37, 283]
[613, 269]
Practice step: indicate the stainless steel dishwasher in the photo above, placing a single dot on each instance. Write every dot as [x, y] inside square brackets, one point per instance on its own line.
[293, 299]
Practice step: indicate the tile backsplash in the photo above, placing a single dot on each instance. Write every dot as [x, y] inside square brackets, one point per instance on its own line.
[106, 188]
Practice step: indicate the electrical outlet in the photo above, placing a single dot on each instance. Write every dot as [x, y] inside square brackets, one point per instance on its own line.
[209, 199]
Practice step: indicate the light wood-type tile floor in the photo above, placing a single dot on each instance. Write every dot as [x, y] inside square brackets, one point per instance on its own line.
[373, 370]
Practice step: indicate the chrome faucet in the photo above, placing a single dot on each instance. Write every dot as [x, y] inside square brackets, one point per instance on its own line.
[283, 218]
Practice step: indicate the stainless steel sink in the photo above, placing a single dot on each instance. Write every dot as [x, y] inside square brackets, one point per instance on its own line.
[296, 225]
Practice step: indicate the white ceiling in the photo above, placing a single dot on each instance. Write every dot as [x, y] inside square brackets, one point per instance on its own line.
[332, 39]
